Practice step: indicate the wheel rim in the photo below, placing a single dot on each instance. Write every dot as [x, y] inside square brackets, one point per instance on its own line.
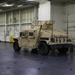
[43, 49]
[15, 45]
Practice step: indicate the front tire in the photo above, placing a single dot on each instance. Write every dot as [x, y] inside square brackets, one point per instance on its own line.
[63, 50]
[43, 48]
[16, 46]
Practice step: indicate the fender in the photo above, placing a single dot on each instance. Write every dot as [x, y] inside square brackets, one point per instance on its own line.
[15, 39]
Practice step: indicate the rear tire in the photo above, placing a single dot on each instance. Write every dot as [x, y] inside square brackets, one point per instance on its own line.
[16, 46]
[63, 50]
[43, 48]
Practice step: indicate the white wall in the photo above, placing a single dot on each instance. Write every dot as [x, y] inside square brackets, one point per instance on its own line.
[60, 14]
[2, 33]
[69, 11]
[57, 16]
[44, 11]
[12, 22]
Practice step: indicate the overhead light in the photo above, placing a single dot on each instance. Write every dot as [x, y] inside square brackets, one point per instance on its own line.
[7, 5]
[19, 5]
[31, 0]
[40, 1]
[34, 0]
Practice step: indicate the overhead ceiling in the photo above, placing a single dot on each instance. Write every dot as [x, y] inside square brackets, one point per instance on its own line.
[63, 1]
[11, 4]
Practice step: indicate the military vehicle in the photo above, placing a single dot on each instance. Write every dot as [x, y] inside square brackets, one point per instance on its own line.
[43, 38]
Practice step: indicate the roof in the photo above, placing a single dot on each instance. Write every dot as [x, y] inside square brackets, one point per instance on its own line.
[11, 4]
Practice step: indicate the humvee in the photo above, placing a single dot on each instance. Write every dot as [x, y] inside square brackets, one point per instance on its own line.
[43, 38]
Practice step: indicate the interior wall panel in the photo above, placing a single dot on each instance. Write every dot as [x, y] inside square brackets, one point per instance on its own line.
[16, 20]
[57, 16]
[69, 14]
[15, 16]
[2, 17]
[2, 33]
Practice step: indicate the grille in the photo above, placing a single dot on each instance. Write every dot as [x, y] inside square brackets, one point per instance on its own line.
[58, 39]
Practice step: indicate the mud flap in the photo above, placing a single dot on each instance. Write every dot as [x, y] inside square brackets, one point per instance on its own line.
[52, 50]
[71, 49]
[70, 46]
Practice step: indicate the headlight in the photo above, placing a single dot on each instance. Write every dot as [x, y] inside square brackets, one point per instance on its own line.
[56, 39]
[52, 40]
[59, 39]
[68, 40]
[64, 39]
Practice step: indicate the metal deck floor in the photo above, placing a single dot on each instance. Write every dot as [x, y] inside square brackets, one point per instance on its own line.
[25, 63]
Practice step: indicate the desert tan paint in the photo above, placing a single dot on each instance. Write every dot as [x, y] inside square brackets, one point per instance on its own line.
[42, 30]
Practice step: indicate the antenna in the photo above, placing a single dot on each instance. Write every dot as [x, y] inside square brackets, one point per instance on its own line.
[67, 24]
[67, 14]
[52, 18]
[71, 1]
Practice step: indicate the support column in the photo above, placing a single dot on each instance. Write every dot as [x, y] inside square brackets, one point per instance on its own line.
[5, 28]
[19, 21]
